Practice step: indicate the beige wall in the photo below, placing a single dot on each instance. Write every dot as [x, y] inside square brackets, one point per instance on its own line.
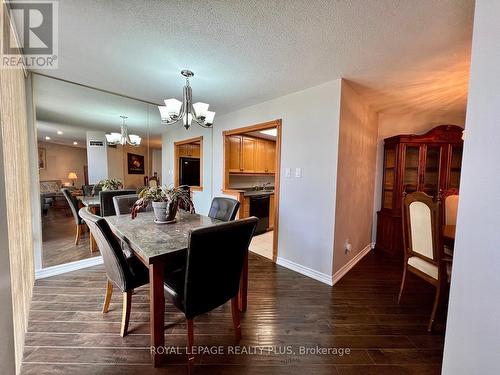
[355, 176]
[61, 160]
[117, 164]
[404, 123]
[18, 239]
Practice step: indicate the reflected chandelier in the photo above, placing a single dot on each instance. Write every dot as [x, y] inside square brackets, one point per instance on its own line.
[174, 110]
[123, 138]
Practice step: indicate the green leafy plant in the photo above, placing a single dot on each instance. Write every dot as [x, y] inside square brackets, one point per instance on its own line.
[174, 195]
[108, 184]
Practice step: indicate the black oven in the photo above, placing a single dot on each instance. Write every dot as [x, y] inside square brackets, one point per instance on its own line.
[259, 207]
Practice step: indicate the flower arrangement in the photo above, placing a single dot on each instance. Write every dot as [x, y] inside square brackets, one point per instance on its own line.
[165, 201]
[107, 184]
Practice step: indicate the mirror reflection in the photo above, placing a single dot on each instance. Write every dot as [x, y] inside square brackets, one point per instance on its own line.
[89, 141]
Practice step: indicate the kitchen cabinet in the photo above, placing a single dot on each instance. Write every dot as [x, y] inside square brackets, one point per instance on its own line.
[250, 155]
[233, 153]
[429, 163]
[191, 150]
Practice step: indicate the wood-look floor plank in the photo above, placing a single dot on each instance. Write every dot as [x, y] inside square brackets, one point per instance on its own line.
[68, 334]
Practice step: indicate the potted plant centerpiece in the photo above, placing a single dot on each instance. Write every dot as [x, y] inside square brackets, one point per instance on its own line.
[107, 184]
[165, 202]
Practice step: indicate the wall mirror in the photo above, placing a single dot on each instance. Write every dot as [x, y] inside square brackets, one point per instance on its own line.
[74, 154]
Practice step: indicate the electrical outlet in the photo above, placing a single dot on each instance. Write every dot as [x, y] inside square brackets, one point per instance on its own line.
[298, 172]
[347, 246]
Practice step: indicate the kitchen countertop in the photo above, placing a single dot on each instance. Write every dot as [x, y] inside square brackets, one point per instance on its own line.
[256, 193]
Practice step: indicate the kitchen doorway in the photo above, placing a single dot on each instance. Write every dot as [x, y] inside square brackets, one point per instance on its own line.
[252, 160]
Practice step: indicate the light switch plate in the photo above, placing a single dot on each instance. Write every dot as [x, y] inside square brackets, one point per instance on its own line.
[288, 172]
[298, 172]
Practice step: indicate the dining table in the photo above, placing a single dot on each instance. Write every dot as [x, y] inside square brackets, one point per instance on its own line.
[94, 204]
[154, 245]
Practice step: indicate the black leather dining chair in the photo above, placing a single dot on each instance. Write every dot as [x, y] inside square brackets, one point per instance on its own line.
[223, 208]
[106, 200]
[212, 273]
[73, 205]
[123, 204]
[87, 190]
[125, 272]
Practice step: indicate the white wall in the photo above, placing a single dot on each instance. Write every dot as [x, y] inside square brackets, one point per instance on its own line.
[156, 163]
[97, 158]
[201, 199]
[310, 128]
[472, 343]
[391, 124]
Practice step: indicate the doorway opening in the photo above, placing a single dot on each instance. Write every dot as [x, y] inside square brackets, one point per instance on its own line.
[252, 159]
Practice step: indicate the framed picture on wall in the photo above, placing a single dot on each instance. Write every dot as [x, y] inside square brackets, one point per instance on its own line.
[135, 163]
[42, 158]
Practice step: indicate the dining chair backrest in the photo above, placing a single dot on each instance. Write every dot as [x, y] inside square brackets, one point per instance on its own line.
[124, 203]
[106, 200]
[421, 227]
[214, 264]
[224, 209]
[87, 190]
[187, 189]
[117, 268]
[73, 204]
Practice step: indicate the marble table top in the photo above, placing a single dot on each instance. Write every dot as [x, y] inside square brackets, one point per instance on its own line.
[152, 241]
[89, 201]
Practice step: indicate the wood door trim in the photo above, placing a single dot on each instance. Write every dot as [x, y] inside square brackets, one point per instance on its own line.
[240, 131]
[176, 161]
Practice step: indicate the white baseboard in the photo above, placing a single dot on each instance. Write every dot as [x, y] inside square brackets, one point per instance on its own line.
[347, 267]
[306, 271]
[67, 267]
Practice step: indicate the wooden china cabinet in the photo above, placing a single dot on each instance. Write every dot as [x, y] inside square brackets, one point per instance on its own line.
[430, 163]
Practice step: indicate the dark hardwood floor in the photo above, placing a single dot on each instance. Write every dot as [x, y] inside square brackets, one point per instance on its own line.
[67, 334]
[58, 239]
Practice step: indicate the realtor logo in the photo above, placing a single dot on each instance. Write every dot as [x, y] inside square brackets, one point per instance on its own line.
[30, 35]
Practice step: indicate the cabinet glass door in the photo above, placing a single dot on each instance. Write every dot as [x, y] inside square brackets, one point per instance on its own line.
[431, 171]
[389, 174]
[410, 178]
[455, 167]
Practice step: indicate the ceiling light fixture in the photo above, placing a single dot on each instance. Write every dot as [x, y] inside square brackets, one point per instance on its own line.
[47, 138]
[123, 138]
[59, 132]
[272, 132]
[75, 143]
[174, 110]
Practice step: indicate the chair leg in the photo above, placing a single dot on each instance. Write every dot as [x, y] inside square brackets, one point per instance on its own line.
[434, 308]
[78, 231]
[107, 297]
[403, 283]
[127, 302]
[235, 309]
[190, 327]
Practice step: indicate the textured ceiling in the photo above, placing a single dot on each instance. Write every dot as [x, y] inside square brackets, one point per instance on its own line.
[401, 54]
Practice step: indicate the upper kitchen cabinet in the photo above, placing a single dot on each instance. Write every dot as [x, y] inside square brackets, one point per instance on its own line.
[248, 155]
[429, 163]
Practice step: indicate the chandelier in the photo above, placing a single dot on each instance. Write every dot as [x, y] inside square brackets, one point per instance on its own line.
[174, 110]
[123, 138]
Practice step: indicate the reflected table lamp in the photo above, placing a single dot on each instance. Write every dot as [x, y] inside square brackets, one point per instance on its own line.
[72, 176]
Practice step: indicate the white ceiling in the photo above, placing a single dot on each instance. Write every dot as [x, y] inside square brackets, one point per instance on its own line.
[401, 54]
[74, 110]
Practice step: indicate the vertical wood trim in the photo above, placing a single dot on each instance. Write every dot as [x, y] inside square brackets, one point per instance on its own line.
[16, 174]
